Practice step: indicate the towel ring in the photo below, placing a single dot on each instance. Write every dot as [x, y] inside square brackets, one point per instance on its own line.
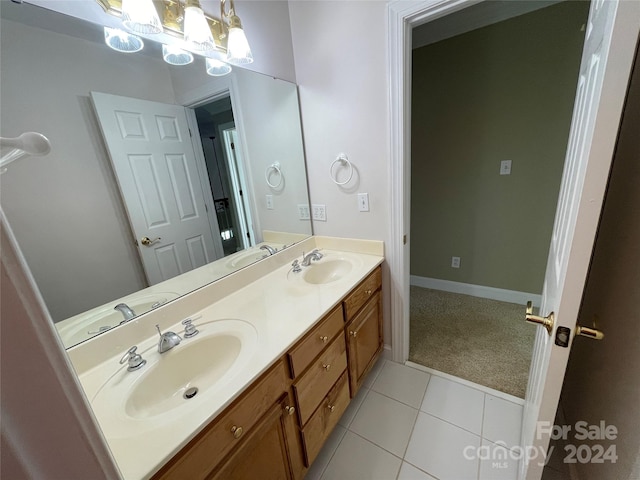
[341, 158]
[274, 166]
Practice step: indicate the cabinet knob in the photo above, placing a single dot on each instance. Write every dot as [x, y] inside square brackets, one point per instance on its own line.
[326, 366]
[331, 407]
[324, 338]
[368, 292]
[237, 431]
[353, 333]
[290, 410]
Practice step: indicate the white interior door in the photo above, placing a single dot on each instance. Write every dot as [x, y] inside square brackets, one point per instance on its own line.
[155, 165]
[611, 35]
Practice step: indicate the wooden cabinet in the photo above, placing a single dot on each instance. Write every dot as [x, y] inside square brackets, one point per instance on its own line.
[263, 411]
[363, 329]
[277, 427]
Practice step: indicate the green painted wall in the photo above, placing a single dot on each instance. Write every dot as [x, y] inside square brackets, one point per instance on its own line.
[503, 92]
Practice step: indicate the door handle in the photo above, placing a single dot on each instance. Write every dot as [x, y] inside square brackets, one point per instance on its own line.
[589, 332]
[546, 322]
[147, 242]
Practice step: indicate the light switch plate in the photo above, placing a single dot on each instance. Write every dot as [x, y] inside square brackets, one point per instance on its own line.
[269, 202]
[363, 202]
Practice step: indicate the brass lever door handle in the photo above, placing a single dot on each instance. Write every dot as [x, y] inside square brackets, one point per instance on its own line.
[589, 332]
[147, 242]
[546, 322]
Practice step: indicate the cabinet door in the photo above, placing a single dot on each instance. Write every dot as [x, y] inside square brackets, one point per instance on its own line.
[269, 453]
[364, 337]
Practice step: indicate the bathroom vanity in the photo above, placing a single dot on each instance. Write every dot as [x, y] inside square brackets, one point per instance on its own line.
[306, 341]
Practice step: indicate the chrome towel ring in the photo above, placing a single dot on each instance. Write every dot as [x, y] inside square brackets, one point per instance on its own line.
[267, 173]
[342, 158]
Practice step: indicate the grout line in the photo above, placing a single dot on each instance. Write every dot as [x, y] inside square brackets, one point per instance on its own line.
[484, 406]
[355, 414]
[422, 470]
[467, 383]
[335, 450]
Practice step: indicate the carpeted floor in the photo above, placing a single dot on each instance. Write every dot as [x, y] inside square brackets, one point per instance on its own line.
[477, 339]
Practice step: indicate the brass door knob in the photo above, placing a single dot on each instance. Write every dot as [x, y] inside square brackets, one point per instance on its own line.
[147, 242]
[237, 431]
[546, 322]
[290, 410]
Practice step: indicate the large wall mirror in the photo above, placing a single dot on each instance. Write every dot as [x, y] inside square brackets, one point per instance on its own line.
[74, 211]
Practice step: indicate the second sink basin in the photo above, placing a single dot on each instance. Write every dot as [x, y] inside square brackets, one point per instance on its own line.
[327, 271]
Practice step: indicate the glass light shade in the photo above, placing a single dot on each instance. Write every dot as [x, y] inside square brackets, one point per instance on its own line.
[217, 68]
[238, 51]
[122, 41]
[140, 16]
[176, 56]
[196, 30]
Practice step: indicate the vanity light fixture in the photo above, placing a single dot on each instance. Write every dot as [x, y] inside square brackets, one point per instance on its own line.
[221, 39]
[197, 33]
[217, 68]
[140, 16]
[238, 51]
[122, 41]
[176, 56]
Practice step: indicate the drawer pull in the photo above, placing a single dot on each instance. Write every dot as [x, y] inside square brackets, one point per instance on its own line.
[327, 367]
[331, 407]
[353, 333]
[237, 431]
[324, 338]
[368, 292]
[290, 410]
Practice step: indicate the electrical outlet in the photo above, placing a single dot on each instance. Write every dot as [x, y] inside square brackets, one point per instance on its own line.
[455, 262]
[303, 212]
[319, 212]
[269, 202]
[505, 167]
[363, 202]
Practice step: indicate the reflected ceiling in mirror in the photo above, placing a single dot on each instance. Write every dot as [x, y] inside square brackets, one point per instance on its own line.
[67, 210]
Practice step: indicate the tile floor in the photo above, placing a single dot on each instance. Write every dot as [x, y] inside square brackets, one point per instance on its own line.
[407, 424]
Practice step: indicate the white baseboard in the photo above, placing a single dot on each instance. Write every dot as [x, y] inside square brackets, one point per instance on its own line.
[510, 296]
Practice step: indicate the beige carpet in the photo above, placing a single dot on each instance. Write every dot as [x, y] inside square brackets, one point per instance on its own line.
[483, 341]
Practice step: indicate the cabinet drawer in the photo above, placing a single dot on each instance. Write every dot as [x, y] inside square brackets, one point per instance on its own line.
[359, 296]
[325, 418]
[303, 354]
[205, 451]
[313, 386]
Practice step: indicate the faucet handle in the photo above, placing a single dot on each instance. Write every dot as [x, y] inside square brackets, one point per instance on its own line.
[190, 329]
[296, 266]
[134, 359]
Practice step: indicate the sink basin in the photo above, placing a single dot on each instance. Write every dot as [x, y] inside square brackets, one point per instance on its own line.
[246, 258]
[326, 271]
[198, 363]
[82, 329]
[183, 377]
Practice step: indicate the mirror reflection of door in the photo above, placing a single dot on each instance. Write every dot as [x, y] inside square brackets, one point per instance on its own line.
[158, 173]
[226, 175]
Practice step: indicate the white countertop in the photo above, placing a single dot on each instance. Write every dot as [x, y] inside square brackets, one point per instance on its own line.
[276, 304]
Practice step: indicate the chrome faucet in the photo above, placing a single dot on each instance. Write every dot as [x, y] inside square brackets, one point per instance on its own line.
[168, 340]
[314, 255]
[269, 249]
[126, 311]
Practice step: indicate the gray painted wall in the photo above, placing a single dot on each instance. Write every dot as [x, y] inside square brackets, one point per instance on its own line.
[502, 92]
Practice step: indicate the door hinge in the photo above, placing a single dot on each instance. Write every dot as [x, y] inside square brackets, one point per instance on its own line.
[404, 240]
[233, 146]
[240, 192]
[190, 134]
[206, 209]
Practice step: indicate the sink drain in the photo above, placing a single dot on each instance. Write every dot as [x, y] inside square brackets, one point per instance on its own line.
[190, 393]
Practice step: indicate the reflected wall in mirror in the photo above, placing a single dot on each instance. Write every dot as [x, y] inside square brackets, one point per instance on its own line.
[66, 209]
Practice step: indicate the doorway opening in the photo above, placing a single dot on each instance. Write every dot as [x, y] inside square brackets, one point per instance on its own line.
[490, 113]
[226, 173]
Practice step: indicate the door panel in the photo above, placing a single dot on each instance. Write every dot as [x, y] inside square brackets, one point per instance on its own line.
[612, 32]
[157, 172]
